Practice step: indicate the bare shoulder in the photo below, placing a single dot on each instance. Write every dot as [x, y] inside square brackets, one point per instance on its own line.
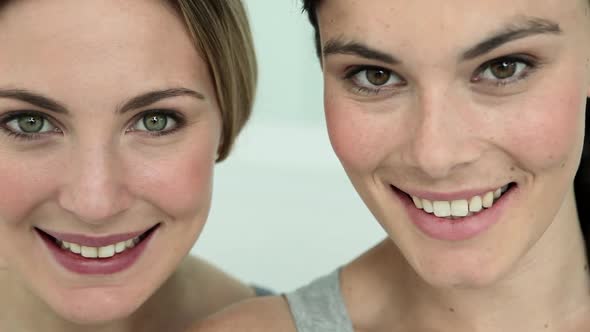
[252, 315]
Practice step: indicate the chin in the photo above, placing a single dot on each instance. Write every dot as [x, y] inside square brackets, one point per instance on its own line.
[97, 306]
[95, 314]
[466, 269]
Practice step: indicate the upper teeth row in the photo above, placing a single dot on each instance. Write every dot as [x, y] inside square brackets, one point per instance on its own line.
[461, 207]
[98, 252]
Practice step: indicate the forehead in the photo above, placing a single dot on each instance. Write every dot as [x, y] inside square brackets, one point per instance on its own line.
[447, 24]
[62, 44]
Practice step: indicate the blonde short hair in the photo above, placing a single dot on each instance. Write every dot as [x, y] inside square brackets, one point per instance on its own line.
[222, 35]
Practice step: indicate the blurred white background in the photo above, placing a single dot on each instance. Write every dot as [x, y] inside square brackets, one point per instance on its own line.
[283, 209]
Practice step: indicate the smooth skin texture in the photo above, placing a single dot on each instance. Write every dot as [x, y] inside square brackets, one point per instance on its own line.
[440, 119]
[95, 169]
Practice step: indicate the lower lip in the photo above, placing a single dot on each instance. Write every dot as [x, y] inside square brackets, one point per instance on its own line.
[460, 229]
[95, 266]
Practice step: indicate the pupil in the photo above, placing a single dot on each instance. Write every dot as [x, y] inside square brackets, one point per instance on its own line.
[155, 122]
[378, 76]
[31, 123]
[504, 69]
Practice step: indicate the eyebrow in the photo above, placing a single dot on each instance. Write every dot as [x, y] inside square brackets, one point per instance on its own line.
[340, 46]
[140, 101]
[34, 99]
[523, 27]
[152, 97]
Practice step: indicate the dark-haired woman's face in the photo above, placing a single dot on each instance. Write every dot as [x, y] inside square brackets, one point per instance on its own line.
[460, 123]
[109, 129]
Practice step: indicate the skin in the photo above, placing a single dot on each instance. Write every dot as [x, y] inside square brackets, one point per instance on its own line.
[99, 172]
[442, 124]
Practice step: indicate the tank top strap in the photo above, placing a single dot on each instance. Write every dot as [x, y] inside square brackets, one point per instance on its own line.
[319, 306]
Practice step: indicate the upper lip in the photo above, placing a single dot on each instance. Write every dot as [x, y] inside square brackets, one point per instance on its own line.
[93, 241]
[450, 195]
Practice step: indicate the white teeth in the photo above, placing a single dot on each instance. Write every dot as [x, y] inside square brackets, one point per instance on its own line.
[98, 252]
[120, 247]
[497, 193]
[417, 202]
[106, 252]
[475, 204]
[488, 200]
[75, 248]
[441, 208]
[461, 207]
[89, 252]
[427, 205]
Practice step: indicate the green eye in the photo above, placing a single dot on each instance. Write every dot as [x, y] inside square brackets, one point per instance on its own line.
[30, 124]
[155, 122]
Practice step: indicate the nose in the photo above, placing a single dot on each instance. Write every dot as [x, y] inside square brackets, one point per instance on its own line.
[94, 190]
[444, 139]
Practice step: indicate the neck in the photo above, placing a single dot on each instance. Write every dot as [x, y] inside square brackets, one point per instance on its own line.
[547, 290]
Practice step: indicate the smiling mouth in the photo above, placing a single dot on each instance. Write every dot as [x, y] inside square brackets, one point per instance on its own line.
[459, 208]
[102, 252]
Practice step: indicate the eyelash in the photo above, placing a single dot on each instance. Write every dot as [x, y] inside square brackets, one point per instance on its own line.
[357, 88]
[529, 62]
[175, 116]
[5, 119]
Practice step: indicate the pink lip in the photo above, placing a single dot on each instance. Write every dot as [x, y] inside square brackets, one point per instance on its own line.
[450, 196]
[91, 241]
[97, 266]
[458, 229]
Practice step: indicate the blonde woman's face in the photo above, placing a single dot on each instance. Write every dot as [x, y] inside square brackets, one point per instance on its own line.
[460, 123]
[108, 134]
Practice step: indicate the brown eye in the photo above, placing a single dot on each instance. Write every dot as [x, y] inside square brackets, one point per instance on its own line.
[378, 76]
[373, 80]
[503, 69]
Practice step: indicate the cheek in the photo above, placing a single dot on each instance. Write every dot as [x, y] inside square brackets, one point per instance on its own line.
[549, 131]
[180, 184]
[360, 138]
[25, 183]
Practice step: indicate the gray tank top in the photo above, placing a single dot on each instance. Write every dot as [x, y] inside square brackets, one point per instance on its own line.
[319, 306]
